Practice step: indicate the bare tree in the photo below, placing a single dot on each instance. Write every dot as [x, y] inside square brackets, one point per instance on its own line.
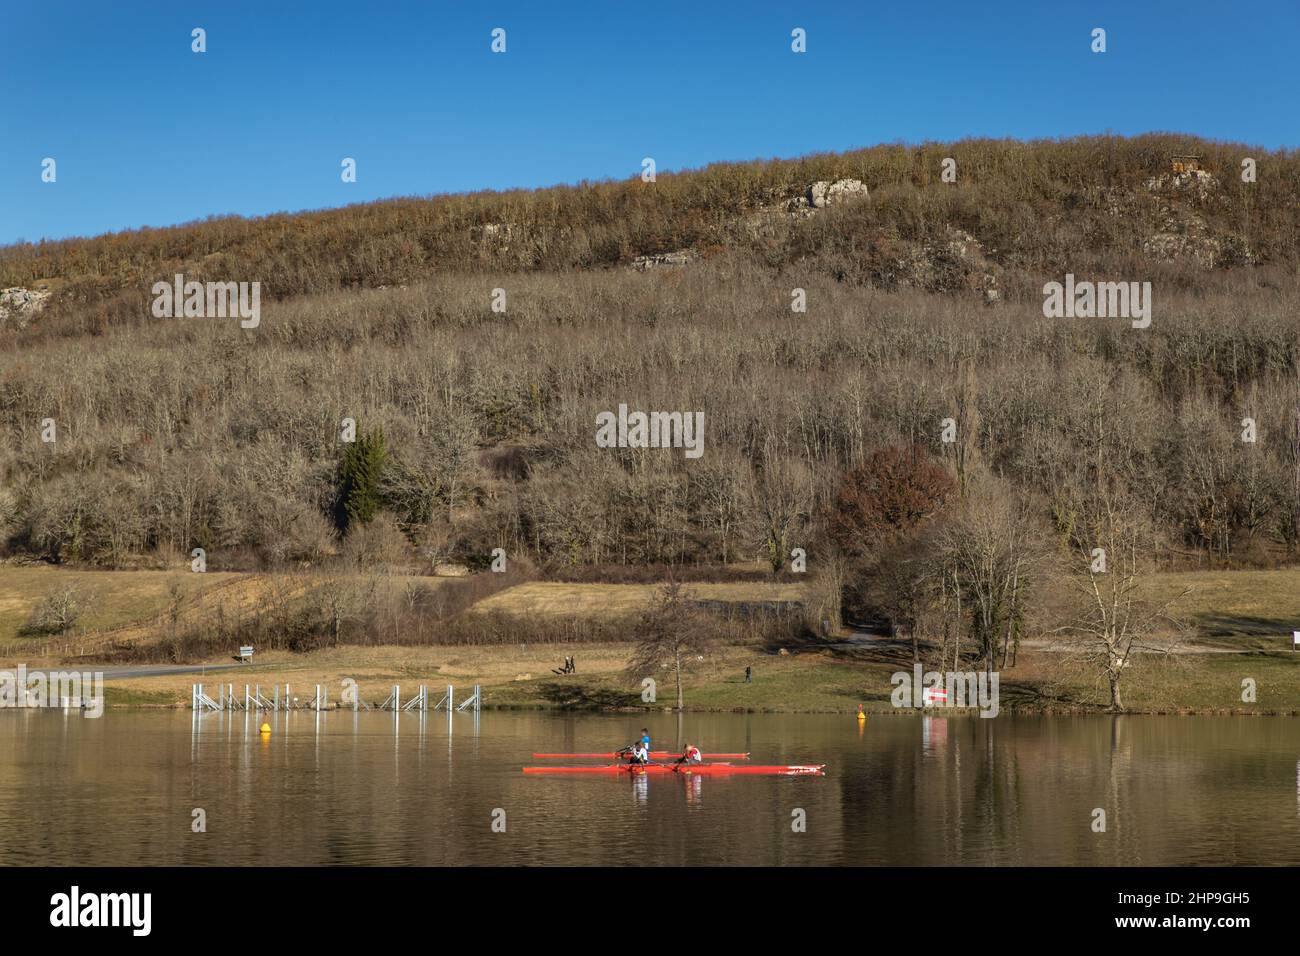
[343, 603]
[991, 557]
[783, 501]
[1291, 530]
[671, 632]
[722, 495]
[1114, 614]
[965, 450]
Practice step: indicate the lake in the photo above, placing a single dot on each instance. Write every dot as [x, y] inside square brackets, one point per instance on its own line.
[372, 788]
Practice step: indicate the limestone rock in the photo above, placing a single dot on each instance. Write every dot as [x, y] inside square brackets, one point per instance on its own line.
[496, 237]
[1196, 181]
[679, 258]
[823, 193]
[1201, 249]
[19, 305]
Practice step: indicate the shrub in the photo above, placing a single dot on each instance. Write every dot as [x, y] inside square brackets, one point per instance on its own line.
[59, 610]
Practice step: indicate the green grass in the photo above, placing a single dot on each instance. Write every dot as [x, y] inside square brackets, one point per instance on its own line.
[1239, 609]
[1213, 682]
[821, 680]
[817, 684]
[134, 697]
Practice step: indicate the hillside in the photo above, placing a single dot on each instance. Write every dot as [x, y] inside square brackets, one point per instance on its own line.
[1031, 209]
[924, 303]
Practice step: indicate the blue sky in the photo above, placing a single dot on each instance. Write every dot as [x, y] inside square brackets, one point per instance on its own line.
[146, 132]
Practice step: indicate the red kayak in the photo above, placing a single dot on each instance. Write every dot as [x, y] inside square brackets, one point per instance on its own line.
[654, 755]
[688, 769]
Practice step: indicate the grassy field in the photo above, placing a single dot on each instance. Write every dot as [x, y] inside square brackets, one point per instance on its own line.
[545, 597]
[135, 597]
[1249, 611]
[121, 598]
[1239, 609]
[1246, 609]
[832, 679]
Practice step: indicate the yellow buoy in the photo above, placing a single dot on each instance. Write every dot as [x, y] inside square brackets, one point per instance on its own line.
[861, 715]
[266, 728]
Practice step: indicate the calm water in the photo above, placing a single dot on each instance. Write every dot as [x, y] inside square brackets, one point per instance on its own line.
[369, 789]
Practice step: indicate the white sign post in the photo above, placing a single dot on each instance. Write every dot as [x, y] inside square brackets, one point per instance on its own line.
[932, 696]
[1295, 640]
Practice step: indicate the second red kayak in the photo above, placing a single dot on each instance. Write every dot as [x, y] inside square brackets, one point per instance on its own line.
[688, 769]
[654, 755]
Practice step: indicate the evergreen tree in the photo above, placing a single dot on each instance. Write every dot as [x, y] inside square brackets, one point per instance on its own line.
[359, 478]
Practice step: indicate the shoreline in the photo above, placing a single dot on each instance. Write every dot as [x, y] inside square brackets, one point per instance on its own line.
[900, 712]
[831, 681]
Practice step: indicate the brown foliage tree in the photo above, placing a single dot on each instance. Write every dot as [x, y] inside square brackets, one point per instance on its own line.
[886, 497]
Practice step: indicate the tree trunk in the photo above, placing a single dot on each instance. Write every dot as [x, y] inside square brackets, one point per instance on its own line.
[1295, 485]
[677, 658]
[956, 645]
[1116, 705]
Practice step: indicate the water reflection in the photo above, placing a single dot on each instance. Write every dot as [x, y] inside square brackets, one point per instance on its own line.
[934, 734]
[372, 787]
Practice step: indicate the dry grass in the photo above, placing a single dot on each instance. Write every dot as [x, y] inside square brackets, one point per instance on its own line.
[543, 597]
[136, 606]
[122, 597]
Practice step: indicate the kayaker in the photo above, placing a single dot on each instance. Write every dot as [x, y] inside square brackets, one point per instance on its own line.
[645, 739]
[639, 754]
[691, 755]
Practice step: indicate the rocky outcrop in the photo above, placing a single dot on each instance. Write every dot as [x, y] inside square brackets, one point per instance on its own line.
[1201, 249]
[823, 193]
[18, 305]
[495, 238]
[679, 258]
[775, 216]
[1195, 181]
[953, 262]
[1184, 235]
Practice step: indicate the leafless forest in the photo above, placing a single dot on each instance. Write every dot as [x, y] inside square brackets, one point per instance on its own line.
[924, 304]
